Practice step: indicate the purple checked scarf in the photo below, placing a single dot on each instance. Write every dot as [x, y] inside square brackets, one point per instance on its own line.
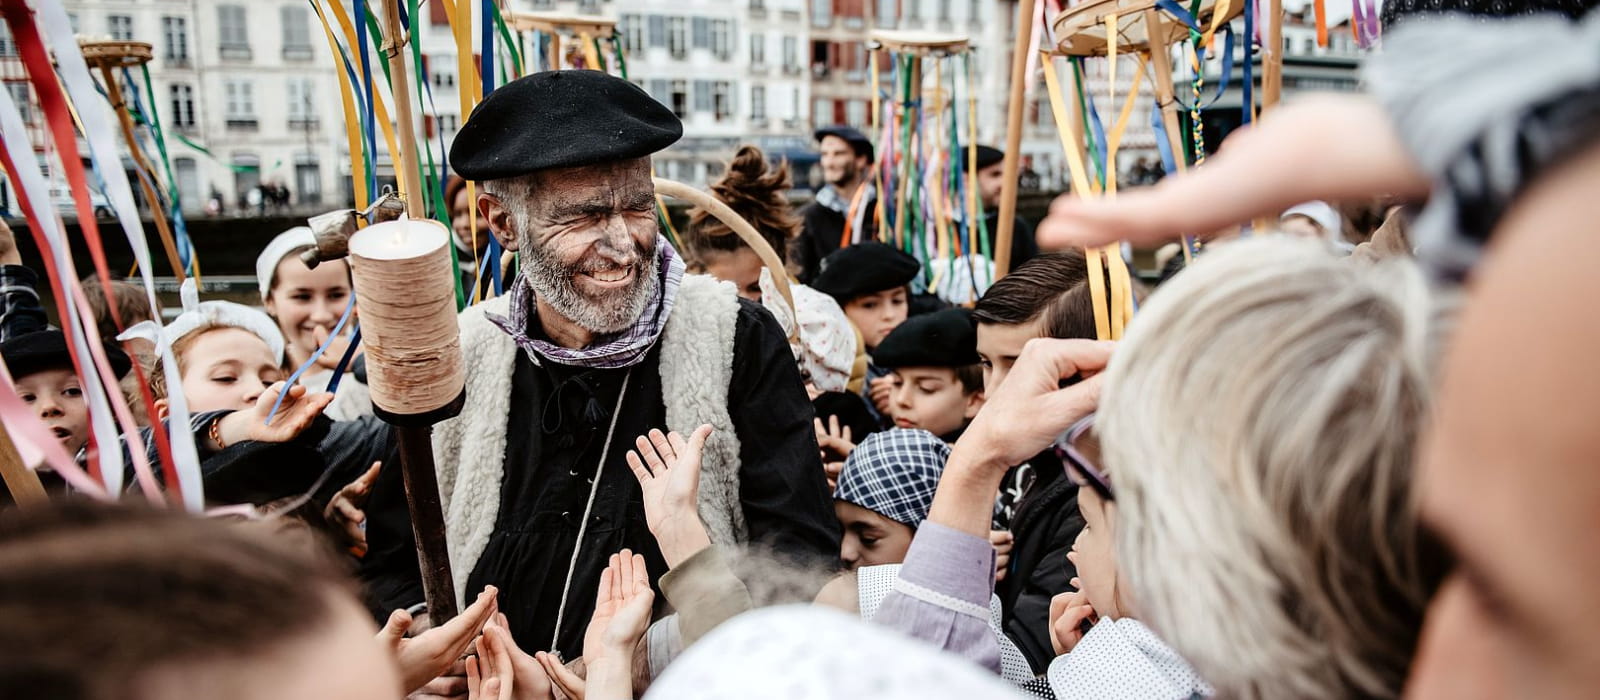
[624, 349]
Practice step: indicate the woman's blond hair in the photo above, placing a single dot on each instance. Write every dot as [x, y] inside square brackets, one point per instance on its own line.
[1259, 422]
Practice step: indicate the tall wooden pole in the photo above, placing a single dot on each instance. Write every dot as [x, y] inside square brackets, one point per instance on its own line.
[416, 446]
[1272, 56]
[1013, 157]
[118, 105]
[19, 479]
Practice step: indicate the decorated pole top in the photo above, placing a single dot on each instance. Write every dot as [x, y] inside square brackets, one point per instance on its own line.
[564, 24]
[115, 54]
[1083, 28]
[935, 44]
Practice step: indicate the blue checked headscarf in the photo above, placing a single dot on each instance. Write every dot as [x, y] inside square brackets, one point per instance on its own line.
[894, 473]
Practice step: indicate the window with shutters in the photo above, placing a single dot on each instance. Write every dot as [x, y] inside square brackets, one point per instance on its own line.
[758, 104]
[677, 37]
[851, 12]
[822, 13]
[302, 104]
[233, 39]
[657, 30]
[944, 10]
[888, 13]
[722, 99]
[791, 55]
[296, 33]
[758, 50]
[633, 32]
[821, 112]
[22, 99]
[700, 33]
[8, 46]
[120, 27]
[702, 96]
[721, 39]
[239, 96]
[662, 91]
[974, 10]
[175, 41]
[182, 105]
[680, 98]
[856, 115]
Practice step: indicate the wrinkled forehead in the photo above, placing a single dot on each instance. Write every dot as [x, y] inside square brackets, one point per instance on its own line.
[621, 180]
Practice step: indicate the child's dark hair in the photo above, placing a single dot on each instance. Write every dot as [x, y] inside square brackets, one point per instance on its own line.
[1053, 287]
[971, 378]
[130, 302]
[755, 191]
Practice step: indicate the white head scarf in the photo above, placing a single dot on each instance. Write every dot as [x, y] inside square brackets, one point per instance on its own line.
[276, 251]
[198, 314]
[827, 348]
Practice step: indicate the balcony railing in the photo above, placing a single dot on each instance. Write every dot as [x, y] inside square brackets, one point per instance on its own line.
[235, 52]
[243, 123]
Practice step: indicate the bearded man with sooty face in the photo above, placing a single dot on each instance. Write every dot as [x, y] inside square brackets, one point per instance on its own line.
[601, 338]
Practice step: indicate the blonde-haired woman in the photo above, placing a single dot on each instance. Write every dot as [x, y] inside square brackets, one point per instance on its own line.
[1269, 530]
[1255, 434]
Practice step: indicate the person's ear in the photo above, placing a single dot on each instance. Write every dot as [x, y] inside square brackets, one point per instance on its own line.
[161, 409]
[497, 217]
[974, 404]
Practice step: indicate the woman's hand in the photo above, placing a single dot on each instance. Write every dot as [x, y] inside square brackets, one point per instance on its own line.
[344, 511]
[1031, 409]
[1067, 614]
[1257, 172]
[429, 655]
[668, 470]
[1025, 416]
[297, 413]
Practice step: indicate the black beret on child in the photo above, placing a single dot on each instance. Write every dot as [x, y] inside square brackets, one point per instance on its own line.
[31, 353]
[946, 338]
[864, 268]
[560, 119]
[987, 156]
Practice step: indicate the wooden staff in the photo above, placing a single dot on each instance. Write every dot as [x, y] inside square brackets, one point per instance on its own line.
[1013, 157]
[1272, 56]
[107, 55]
[22, 481]
[417, 467]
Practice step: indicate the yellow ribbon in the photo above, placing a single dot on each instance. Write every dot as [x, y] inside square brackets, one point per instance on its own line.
[352, 120]
[377, 102]
[1065, 128]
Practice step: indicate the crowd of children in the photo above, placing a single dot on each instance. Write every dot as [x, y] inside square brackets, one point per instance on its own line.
[1264, 490]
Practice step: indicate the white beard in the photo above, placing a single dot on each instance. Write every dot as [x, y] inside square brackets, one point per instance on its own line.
[613, 312]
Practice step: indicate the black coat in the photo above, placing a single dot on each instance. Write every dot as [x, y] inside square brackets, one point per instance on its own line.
[1045, 525]
[820, 232]
[556, 431]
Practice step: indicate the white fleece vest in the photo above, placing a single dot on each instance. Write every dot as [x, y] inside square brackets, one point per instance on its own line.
[696, 368]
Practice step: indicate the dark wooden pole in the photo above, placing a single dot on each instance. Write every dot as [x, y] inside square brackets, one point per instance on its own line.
[427, 521]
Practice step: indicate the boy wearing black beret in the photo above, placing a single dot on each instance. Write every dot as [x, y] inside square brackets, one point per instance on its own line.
[935, 375]
[871, 281]
[42, 369]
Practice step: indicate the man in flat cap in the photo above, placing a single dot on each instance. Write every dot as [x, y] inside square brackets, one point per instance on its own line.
[601, 339]
[847, 201]
[991, 178]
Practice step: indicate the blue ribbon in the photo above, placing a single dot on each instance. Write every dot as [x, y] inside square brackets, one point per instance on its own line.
[369, 126]
[1177, 11]
[486, 60]
[294, 379]
[1246, 89]
[344, 362]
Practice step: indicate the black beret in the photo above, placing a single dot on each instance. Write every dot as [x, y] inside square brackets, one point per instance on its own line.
[852, 136]
[38, 351]
[864, 268]
[946, 338]
[560, 119]
[987, 156]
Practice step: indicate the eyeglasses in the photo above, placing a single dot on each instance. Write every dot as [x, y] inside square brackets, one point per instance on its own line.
[1079, 450]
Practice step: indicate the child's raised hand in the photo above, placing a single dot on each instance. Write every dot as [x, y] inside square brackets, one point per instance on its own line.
[668, 470]
[296, 414]
[882, 391]
[344, 510]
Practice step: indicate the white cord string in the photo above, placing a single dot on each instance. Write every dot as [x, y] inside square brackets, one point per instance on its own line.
[594, 488]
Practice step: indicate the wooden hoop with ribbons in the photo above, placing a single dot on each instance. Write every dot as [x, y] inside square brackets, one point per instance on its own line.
[745, 231]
